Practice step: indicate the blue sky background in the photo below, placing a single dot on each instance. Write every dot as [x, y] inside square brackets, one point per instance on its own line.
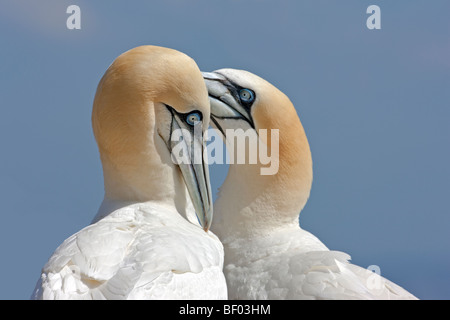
[375, 105]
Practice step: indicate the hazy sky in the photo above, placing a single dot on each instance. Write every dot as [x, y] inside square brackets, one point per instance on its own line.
[375, 105]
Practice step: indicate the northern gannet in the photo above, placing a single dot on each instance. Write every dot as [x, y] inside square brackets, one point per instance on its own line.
[146, 241]
[267, 254]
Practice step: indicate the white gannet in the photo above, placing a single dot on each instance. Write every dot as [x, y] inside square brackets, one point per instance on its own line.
[146, 241]
[267, 254]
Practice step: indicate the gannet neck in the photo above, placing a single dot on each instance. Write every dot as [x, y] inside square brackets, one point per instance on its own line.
[130, 113]
[251, 202]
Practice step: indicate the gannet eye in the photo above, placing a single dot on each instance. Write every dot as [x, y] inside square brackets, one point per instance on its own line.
[193, 117]
[247, 95]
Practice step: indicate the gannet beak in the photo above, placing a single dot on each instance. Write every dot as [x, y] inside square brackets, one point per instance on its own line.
[222, 97]
[193, 168]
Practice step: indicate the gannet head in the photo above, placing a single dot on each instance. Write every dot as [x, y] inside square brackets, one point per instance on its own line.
[240, 99]
[238, 95]
[150, 99]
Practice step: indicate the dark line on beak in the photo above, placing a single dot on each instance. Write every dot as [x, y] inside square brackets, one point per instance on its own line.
[218, 125]
[171, 126]
[208, 195]
[241, 116]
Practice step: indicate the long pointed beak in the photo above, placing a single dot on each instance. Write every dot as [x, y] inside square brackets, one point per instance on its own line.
[194, 169]
[222, 99]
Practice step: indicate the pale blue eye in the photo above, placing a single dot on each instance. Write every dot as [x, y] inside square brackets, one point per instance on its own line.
[193, 118]
[246, 95]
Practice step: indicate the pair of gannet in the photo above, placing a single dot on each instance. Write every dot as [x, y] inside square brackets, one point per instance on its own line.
[267, 254]
[150, 238]
[146, 241]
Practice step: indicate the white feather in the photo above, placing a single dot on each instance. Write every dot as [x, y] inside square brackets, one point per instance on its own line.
[130, 254]
[294, 264]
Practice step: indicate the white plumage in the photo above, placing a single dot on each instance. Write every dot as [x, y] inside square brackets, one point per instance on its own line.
[291, 263]
[141, 251]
